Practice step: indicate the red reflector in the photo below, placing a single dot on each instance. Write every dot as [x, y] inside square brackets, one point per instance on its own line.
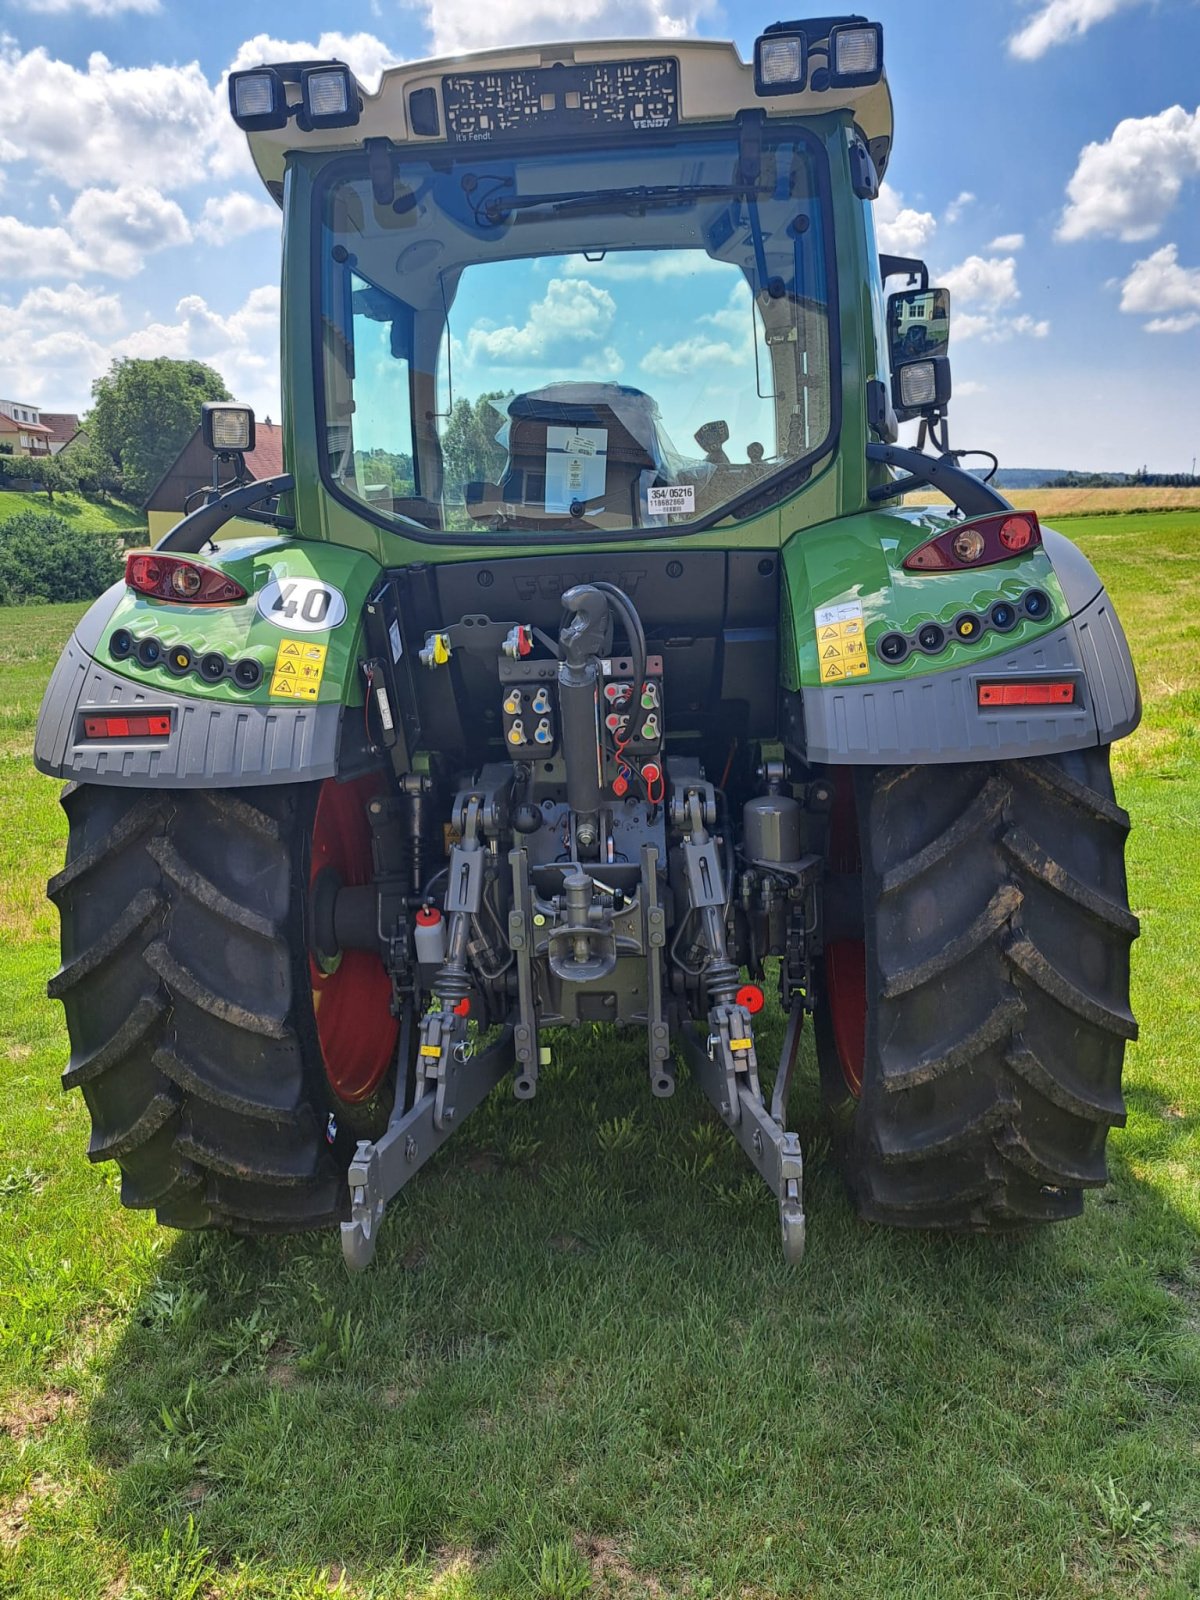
[152, 727]
[1027, 694]
[751, 996]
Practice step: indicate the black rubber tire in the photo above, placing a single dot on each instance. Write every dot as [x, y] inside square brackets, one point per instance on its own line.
[997, 933]
[189, 1006]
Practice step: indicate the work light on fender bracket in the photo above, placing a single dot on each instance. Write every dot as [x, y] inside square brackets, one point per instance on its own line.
[185, 582]
[978, 543]
[227, 428]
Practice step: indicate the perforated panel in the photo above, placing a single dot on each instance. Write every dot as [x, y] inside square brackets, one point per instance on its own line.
[549, 102]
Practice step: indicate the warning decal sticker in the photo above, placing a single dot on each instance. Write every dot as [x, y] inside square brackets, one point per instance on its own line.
[841, 642]
[298, 670]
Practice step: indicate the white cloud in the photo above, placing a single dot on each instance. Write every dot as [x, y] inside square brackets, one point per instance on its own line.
[229, 216]
[900, 229]
[1159, 287]
[1125, 186]
[90, 309]
[957, 206]
[981, 282]
[55, 342]
[1181, 324]
[118, 228]
[572, 312]
[1057, 21]
[1007, 242]
[28, 251]
[703, 353]
[93, 8]
[106, 230]
[141, 124]
[457, 25]
[651, 266]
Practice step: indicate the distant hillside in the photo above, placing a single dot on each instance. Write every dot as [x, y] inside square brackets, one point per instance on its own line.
[1028, 477]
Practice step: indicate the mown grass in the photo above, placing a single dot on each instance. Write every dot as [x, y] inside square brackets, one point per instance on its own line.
[88, 514]
[579, 1366]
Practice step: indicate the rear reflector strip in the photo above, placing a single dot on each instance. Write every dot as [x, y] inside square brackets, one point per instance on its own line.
[151, 727]
[1039, 693]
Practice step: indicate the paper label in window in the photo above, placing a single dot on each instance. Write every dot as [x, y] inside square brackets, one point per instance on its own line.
[671, 500]
[576, 466]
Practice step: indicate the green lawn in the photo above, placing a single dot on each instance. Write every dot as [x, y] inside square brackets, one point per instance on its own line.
[579, 1365]
[85, 512]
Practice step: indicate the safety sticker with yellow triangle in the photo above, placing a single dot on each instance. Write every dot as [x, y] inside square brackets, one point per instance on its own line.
[299, 668]
[841, 646]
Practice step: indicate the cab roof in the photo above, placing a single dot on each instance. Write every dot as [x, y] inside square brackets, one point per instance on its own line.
[713, 85]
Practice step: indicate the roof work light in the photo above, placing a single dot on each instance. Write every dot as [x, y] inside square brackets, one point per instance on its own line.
[855, 55]
[258, 99]
[780, 63]
[818, 53]
[330, 96]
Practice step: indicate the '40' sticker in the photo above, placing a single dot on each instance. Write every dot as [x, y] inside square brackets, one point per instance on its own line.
[302, 605]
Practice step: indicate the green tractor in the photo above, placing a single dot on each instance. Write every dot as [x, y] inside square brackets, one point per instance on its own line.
[590, 663]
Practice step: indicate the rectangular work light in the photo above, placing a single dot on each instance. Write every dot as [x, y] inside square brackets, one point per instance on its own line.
[780, 63]
[227, 428]
[855, 55]
[921, 386]
[258, 99]
[330, 95]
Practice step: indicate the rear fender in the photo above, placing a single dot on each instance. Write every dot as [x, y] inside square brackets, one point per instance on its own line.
[300, 627]
[845, 588]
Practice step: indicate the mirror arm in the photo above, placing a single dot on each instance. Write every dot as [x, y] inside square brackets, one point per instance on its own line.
[193, 532]
[904, 266]
[970, 494]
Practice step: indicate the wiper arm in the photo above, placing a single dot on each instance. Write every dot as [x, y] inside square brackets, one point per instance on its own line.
[497, 208]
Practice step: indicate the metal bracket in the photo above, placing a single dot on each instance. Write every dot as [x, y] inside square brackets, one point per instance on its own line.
[662, 1075]
[520, 938]
[774, 1152]
[379, 1170]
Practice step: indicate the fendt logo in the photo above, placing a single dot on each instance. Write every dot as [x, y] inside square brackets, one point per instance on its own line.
[549, 584]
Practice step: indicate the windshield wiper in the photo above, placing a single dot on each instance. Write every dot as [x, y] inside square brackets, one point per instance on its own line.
[497, 208]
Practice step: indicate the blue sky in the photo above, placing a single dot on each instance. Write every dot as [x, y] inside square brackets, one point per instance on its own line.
[1047, 164]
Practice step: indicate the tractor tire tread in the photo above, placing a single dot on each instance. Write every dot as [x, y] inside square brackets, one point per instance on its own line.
[203, 1094]
[997, 948]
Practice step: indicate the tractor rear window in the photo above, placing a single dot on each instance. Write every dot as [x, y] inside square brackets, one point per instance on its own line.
[616, 339]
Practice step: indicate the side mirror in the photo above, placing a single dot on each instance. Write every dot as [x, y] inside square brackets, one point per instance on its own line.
[918, 325]
[226, 427]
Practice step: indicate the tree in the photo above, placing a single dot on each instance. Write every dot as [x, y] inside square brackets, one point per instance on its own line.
[58, 476]
[145, 412]
[43, 558]
[94, 468]
[469, 450]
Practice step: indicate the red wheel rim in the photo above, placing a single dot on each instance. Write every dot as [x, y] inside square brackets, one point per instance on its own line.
[352, 1005]
[846, 986]
[846, 959]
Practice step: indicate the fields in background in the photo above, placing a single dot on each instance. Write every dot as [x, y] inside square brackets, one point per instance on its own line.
[579, 1366]
[1084, 502]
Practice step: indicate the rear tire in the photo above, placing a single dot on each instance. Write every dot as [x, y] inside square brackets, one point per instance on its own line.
[189, 1000]
[994, 974]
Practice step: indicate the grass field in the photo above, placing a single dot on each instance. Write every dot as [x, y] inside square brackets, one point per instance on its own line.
[579, 1366]
[84, 512]
[1088, 502]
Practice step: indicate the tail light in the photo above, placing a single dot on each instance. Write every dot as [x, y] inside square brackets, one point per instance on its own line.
[175, 578]
[978, 543]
